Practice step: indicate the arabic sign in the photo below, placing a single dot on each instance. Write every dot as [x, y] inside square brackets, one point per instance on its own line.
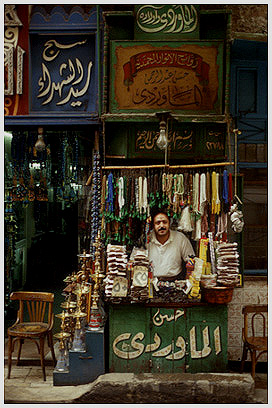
[173, 351]
[171, 21]
[16, 60]
[63, 73]
[181, 77]
[130, 347]
[159, 339]
[184, 141]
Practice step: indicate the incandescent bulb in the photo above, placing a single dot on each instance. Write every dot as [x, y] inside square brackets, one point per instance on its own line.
[162, 139]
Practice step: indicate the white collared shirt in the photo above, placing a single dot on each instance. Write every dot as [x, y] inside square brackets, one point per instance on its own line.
[167, 258]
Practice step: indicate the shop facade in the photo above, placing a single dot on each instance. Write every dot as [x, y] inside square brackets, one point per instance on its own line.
[52, 108]
[132, 112]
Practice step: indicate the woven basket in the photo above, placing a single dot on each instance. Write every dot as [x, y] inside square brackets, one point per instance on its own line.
[217, 294]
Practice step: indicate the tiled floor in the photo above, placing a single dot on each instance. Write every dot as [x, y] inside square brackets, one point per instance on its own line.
[30, 373]
[29, 370]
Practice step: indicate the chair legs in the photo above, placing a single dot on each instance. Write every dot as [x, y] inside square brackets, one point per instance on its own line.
[9, 354]
[51, 345]
[253, 360]
[40, 347]
[253, 363]
[42, 357]
[244, 357]
[21, 342]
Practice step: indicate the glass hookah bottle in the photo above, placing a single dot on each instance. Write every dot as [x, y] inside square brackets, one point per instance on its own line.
[63, 359]
[79, 337]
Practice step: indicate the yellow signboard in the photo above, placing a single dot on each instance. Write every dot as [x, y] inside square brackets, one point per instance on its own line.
[183, 76]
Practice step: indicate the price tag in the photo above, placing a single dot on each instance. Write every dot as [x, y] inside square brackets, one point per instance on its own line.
[140, 275]
[120, 287]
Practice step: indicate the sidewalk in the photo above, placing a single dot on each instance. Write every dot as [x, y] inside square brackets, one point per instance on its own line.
[27, 386]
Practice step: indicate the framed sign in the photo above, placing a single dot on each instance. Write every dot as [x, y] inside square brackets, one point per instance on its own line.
[63, 73]
[184, 77]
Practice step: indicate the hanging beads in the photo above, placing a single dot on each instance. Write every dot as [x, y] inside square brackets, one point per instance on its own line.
[96, 201]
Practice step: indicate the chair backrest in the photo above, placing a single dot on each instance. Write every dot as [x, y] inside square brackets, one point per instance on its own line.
[34, 306]
[252, 315]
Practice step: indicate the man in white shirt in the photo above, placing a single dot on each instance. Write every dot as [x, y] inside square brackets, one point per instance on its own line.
[167, 248]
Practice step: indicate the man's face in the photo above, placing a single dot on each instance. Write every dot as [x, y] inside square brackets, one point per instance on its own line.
[161, 225]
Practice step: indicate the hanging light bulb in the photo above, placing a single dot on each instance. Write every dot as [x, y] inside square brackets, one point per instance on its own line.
[162, 139]
[40, 145]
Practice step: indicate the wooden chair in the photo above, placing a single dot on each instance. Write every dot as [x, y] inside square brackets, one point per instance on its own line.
[253, 341]
[35, 321]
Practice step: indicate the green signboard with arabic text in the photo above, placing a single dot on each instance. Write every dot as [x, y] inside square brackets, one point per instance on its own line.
[185, 141]
[157, 21]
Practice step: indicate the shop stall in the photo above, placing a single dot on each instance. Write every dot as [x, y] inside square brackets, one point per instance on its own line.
[166, 139]
[156, 324]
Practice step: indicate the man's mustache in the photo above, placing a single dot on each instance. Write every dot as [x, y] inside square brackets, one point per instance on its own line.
[162, 229]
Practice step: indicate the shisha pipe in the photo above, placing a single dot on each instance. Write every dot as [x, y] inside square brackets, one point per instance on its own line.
[79, 343]
[63, 359]
[96, 318]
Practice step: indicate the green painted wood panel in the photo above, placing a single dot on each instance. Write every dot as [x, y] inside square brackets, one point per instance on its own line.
[185, 141]
[129, 333]
[207, 338]
[169, 356]
[168, 339]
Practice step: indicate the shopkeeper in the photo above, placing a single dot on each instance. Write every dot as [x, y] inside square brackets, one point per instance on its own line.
[167, 249]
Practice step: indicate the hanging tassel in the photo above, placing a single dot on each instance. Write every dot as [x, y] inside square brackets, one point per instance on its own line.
[217, 202]
[222, 225]
[202, 195]
[145, 201]
[215, 193]
[185, 222]
[197, 235]
[225, 193]
[121, 200]
[195, 192]
[110, 193]
[230, 191]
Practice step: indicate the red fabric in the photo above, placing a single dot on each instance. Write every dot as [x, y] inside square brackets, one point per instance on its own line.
[230, 193]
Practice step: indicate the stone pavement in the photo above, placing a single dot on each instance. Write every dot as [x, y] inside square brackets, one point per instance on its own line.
[27, 386]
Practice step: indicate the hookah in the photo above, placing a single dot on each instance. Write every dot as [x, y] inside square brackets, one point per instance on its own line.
[63, 359]
[96, 316]
[84, 276]
[67, 326]
[63, 337]
[79, 343]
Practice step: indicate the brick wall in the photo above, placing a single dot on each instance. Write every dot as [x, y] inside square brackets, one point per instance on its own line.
[253, 292]
[246, 18]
